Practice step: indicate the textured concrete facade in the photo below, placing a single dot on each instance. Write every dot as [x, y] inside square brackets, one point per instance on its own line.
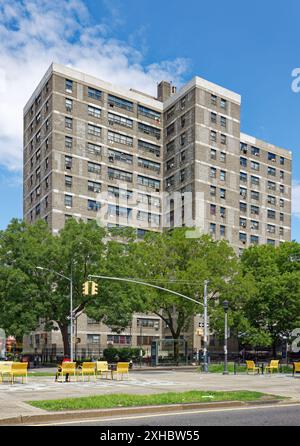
[87, 141]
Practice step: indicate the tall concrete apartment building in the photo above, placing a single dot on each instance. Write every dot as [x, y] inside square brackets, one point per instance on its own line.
[84, 137]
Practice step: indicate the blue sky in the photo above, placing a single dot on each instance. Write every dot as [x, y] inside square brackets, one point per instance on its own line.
[249, 48]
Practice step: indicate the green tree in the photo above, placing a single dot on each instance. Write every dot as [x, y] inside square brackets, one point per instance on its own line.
[274, 309]
[182, 264]
[29, 296]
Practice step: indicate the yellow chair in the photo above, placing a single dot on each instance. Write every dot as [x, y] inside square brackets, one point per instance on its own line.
[122, 369]
[102, 367]
[88, 368]
[5, 368]
[274, 365]
[251, 367]
[67, 368]
[17, 369]
[296, 367]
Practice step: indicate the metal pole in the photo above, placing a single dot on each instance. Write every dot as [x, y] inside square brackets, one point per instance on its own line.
[71, 318]
[205, 328]
[225, 372]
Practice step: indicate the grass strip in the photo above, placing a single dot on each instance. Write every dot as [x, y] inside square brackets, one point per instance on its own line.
[127, 400]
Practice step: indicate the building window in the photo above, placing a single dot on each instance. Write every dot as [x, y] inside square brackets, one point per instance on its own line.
[272, 171]
[243, 192]
[243, 177]
[94, 111]
[148, 147]
[243, 207]
[223, 121]
[68, 142]
[222, 212]
[93, 339]
[170, 181]
[254, 166]
[152, 114]
[183, 139]
[94, 187]
[68, 162]
[223, 104]
[69, 86]
[243, 237]
[271, 229]
[94, 93]
[243, 223]
[68, 123]
[115, 101]
[120, 120]
[213, 154]
[223, 139]
[255, 181]
[254, 195]
[213, 191]
[114, 155]
[254, 210]
[119, 138]
[244, 148]
[223, 193]
[282, 160]
[94, 130]
[93, 205]
[213, 99]
[271, 214]
[68, 200]
[212, 228]
[243, 162]
[271, 185]
[213, 118]
[213, 209]
[272, 157]
[223, 157]
[213, 136]
[271, 200]
[213, 172]
[255, 151]
[68, 181]
[149, 130]
[94, 168]
[254, 225]
[93, 149]
[69, 105]
[222, 231]
[254, 239]
[222, 175]
[119, 175]
[270, 242]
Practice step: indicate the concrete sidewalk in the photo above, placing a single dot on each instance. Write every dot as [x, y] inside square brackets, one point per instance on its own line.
[13, 397]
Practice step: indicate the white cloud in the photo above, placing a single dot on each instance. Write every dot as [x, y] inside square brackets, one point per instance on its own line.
[296, 199]
[34, 33]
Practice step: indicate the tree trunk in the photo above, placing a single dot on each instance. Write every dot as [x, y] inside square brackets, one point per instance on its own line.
[274, 349]
[65, 338]
[176, 350]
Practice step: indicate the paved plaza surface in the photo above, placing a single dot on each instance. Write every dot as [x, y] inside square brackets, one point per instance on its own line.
[13, 397]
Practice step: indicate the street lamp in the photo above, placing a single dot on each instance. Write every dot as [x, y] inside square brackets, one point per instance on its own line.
[225, 307]
[70, 279]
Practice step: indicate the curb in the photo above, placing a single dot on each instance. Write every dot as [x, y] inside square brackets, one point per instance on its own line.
[103, 413]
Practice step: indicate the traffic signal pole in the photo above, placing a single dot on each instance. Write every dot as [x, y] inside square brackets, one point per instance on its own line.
[204, 304]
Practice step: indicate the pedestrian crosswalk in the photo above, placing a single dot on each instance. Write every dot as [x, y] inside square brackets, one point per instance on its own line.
[47, 385]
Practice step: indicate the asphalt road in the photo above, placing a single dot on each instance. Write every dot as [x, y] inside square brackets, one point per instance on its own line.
[283, 415]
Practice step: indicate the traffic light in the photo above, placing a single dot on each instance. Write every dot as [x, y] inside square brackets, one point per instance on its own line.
[85, 288]
[94, 288]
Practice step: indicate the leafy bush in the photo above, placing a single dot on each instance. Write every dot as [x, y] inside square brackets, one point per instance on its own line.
[113, 354]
